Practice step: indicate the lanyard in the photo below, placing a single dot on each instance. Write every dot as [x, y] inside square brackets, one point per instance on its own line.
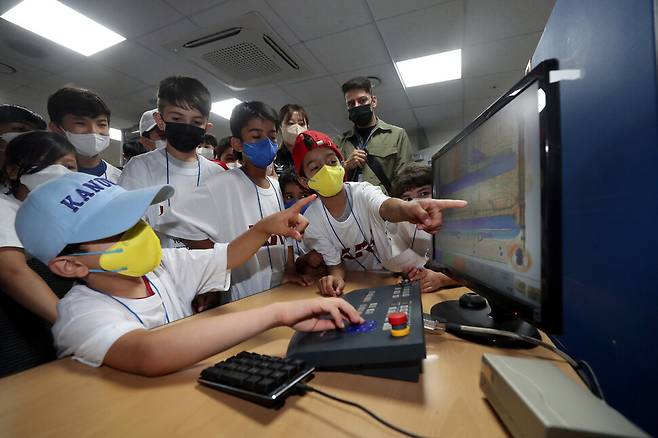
[413, 239]
[260, 209]
[360, 229]
[135, 314]
[198, 175]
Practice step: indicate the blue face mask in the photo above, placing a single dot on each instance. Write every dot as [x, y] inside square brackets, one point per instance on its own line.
[290, 202]
[262, 153]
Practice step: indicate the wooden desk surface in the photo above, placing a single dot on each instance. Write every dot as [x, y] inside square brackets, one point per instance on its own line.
[66, 398]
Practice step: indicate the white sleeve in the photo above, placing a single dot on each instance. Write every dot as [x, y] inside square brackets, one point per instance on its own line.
[196, 271]
[8, 236]
[87, 327]
[194, 217]
[130, 176]
[373, 197]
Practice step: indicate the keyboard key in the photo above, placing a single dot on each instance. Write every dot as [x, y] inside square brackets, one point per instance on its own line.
[265, 386]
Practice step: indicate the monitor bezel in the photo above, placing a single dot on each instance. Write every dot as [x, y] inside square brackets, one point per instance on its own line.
[550, 314]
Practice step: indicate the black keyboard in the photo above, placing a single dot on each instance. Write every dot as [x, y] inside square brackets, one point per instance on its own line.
[266, 380]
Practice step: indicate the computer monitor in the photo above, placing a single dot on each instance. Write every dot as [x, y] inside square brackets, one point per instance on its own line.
[506, 244]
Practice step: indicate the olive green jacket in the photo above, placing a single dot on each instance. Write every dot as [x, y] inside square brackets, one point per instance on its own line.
[388, 143]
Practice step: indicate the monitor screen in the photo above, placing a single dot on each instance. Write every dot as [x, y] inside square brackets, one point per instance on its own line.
[499, 164]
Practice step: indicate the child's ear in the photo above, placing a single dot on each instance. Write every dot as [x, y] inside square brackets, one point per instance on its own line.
[236, 144]
[159, 121]
[374, 102]
[68, 267]
[209, 126]
[12, 171]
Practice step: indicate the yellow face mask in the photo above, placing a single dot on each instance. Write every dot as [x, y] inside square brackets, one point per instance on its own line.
[328, 181]
[137, 253]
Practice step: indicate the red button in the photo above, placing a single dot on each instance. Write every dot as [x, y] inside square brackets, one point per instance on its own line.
[397, 318]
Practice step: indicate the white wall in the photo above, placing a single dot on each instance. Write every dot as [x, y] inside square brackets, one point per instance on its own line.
[436, 141]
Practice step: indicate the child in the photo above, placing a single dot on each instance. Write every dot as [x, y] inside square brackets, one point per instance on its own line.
[31, 159]
[415, 182]
[14, 121]
[89, 229]
[150, 135]
[347, 222]
[183, 112]
[84, 119]
[232, 202]
[225, 156]
[307, 262]
[294, 120]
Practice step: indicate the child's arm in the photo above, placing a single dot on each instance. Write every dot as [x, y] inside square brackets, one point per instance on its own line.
[426, 213]
[289, 223]
[174, 347]
[291, 275]
[25, 286]
[334, 283]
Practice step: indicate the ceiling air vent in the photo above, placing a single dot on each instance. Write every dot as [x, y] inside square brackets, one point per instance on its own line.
[244, 52]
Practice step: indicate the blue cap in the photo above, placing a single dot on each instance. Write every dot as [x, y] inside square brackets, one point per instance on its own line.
[80, 208]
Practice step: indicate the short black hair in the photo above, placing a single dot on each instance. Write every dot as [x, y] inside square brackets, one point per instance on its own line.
[34, 151]
[288, 176]
[133, 148]
[77, 101]
[412, 176]
[16, 113]
[184, 92]
[286, 112]
[246, 111]
[358, 83]
[210, 139]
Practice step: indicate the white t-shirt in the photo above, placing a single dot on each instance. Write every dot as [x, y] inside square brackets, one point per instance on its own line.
[360, 241]
[150, 169]
[89, 321]
[112, 173]
[409, 237]
[222, 209]
[8, 207]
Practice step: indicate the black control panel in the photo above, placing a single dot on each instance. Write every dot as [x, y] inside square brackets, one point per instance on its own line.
[370, 348]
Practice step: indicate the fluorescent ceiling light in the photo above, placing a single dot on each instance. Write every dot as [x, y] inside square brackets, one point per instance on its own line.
[115, 134]
[430, 69]
[63, 25]
[223, 108]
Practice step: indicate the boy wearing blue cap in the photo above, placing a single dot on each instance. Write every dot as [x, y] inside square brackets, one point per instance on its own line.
[88, 228]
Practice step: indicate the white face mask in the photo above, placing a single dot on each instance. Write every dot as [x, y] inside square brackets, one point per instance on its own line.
[205, 153]
[88, 144]
[291, 132]
[233, 165]
[34, 180]
[160, 144]
[9, 136]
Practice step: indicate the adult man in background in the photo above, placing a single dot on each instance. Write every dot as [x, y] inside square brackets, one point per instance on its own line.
[375, 150]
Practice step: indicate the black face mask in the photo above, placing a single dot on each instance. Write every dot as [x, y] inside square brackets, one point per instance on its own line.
[184, 137]
[360, 115]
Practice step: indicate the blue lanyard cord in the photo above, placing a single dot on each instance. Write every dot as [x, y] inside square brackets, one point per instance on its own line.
[361, 229]
[260, 208]
[135, 314]
[198, 174]
[413, 239]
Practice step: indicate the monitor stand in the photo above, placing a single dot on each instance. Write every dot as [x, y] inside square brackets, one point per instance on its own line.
[472, 309]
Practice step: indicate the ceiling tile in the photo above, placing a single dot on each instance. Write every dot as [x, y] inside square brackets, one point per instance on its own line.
[389, 8]
[350, 50]
[129, 18]
[307, 57]
[188, 8]
[424, 32]
[499, 56]
[490, 86]
[319, 17]
[136, 61]
[473, 108]
[403, 118]
[316, 91]
[273, 96]
[234, 8]
[433, 94]
[431, 116]
[385, 72]
[27, 97]
[489, 20]
[394, 99]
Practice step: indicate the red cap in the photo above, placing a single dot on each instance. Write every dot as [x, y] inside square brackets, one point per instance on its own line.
[397, 318]
[308, 140]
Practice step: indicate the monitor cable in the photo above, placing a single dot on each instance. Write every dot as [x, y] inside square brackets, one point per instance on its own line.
[582, 368]
[303, 387]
